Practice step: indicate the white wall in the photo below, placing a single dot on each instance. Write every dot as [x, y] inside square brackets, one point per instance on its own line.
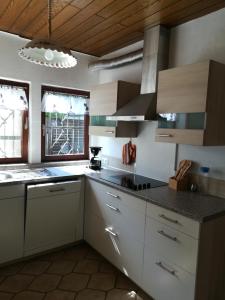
[197, 40]
[14, 68]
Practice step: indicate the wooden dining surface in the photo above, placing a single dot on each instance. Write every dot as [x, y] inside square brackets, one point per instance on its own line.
[98, 27]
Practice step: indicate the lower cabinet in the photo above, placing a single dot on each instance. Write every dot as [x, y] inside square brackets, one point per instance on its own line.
[170, 256]
[11, 222]
[164, 280]
[51, 215]
[114, 226]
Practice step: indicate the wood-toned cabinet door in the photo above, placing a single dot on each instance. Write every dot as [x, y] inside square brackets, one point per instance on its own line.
[183, 89]
[103, 99]
[180, 136]
[106, 98]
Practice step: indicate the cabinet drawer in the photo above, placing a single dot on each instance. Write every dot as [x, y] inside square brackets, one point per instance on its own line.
[95, 235]
[105, 193]
[178, 247]
[53, 189]
[173, 220]
[102, 131]
[163, 280]
[127, 252]
[117, 209]
[118, 246]
[180, 136]
[12, 191]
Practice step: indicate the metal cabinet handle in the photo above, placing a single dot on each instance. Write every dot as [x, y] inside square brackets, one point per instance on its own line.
[168, 236]
[161, 265]
[169, 219]
[109, 131]
[57, 190]
[164, 135]
[113, 208]
[112, 195]
[109, 230]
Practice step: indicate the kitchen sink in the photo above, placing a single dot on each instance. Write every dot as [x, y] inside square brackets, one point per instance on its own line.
[5, 176]
[28, 174]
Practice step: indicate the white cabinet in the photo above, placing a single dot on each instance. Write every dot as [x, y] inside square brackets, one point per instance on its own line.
[170, 254]
[178, 247]
[114, 226]
[11, 222]
[173, 220]
[51, 215]
[157, 248]
[165, 281]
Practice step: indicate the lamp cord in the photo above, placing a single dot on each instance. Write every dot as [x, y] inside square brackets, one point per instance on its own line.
[49, 19]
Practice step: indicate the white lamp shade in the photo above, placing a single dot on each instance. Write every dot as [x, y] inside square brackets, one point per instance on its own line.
[47, 54]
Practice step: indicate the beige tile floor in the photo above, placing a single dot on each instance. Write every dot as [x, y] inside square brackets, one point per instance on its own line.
[77, 273]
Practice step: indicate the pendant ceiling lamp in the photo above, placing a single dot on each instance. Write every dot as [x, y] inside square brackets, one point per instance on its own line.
[47, 53]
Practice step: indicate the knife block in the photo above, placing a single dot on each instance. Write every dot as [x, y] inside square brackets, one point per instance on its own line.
[178, 185]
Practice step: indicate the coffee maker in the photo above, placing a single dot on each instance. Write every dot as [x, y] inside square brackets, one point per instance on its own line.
[95, 161]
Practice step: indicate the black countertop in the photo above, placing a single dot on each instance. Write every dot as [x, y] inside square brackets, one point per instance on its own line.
[196, 206]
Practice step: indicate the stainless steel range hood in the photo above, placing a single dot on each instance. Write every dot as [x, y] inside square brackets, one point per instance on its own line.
[156, 50]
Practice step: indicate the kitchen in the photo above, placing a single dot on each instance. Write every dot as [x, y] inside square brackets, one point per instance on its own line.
[192, 42]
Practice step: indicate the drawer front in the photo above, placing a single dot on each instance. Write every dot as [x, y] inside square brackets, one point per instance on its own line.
[53, 189]
[115, 196]
[102, 131]
[178, 247]
[120, 248]
[163, 280]
[116, 209]
[95, 235]
[173, 220]
[12, 191]
[127, 252]
[180, 136]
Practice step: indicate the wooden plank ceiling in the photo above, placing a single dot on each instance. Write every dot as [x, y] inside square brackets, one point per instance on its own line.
[98, 27]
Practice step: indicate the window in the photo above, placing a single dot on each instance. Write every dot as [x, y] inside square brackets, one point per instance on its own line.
[13, 121]
[65, 121]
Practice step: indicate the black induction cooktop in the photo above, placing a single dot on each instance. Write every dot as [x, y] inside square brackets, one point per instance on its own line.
[133, 181]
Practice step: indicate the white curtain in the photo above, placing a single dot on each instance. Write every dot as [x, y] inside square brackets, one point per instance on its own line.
[63, 103]
[13, 98]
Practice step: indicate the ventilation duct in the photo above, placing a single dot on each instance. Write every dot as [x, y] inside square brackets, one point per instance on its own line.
[117, 61]
[155, 58]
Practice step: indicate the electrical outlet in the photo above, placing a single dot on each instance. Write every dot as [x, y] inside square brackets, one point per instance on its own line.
[105, 161]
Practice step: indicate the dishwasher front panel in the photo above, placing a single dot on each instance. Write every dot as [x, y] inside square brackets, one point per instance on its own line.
[51, 214]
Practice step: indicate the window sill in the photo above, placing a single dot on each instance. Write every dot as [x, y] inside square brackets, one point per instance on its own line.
[43, 164]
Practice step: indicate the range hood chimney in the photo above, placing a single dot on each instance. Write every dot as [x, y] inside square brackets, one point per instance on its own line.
[155, 59]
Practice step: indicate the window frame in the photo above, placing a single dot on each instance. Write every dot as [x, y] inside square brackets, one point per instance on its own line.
[25, 132]
[49, 158]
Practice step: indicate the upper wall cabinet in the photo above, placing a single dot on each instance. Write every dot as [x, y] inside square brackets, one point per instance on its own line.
[191, 104]
[105, 100]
